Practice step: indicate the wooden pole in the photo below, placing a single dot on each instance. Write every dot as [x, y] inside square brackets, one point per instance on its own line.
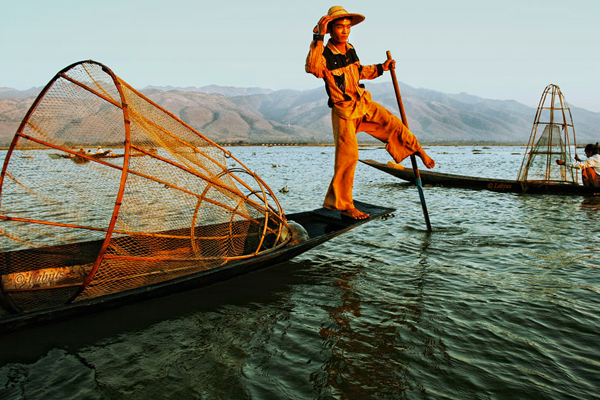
[413, 159]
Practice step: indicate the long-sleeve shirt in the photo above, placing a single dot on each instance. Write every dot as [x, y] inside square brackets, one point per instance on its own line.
[593, 162]
[341, 72]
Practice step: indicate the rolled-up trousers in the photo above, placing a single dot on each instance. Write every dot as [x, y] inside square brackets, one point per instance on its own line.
[377, 122]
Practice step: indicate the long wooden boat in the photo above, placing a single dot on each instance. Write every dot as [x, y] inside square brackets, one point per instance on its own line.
[552, 138]
[104, 154]
[320, 225]
[476, 183]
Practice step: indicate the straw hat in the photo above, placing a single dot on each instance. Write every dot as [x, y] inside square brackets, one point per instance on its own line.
[337, 12]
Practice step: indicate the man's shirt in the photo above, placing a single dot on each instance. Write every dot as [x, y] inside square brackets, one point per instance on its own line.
[341, 72]
[593, 162]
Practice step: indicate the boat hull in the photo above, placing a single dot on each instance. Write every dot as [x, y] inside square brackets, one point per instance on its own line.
[321, 225]
[476, 183]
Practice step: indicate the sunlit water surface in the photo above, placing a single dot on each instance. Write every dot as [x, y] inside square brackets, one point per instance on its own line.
[500, 301]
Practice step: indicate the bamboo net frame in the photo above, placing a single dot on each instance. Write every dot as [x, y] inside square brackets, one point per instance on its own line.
[161, 203]
[552, 137]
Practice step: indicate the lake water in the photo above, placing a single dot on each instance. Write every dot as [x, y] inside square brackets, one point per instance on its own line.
[500, 301]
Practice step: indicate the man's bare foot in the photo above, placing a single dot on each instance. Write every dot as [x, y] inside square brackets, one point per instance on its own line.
[394, 164]
[354, 213]
[428, 161]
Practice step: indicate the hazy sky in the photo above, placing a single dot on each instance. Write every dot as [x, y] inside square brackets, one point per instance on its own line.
[497, 49]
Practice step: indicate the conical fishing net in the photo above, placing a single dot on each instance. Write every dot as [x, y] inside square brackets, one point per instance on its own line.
[542, 162]
[553, 119]
[103, 191]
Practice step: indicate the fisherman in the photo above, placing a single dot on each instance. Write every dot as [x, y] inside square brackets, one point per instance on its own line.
[590, 168]
[99, 150]
[352, 109]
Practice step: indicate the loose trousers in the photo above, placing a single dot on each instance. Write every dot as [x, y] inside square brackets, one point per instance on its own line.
[378, 122]
[590, 177]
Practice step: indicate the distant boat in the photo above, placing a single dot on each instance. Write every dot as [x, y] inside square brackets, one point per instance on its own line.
[495, 185]
[79, 240]
[552, 137]
[80, 157]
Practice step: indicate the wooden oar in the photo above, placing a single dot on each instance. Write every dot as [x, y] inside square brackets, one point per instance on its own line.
[413, 159]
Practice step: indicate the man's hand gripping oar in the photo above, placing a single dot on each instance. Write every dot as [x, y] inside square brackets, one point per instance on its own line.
[413, 159]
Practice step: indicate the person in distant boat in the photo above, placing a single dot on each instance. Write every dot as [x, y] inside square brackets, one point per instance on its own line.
[99, 150]
[590, 168]
[352, 109]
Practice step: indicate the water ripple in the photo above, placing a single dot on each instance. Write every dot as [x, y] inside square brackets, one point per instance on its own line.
[500, 301]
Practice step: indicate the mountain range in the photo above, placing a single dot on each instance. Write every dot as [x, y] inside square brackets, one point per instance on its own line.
[232, 115]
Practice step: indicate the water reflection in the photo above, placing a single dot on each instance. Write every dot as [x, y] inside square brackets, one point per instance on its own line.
[385, 327]
[591, 206]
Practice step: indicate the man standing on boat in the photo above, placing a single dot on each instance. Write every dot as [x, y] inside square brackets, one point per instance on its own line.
[590, 168]
[352, 109]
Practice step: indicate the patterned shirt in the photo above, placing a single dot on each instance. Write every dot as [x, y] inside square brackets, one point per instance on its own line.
[341, 72]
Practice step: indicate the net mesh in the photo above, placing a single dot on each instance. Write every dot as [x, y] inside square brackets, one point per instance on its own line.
[103, 191]
[552, 138]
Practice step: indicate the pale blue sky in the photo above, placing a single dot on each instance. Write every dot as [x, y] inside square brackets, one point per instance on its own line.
[509, 49]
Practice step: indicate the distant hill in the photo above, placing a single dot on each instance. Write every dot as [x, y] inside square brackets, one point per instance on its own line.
[223, 120]
[8, 93]
[255, 115]
[12, 111]
[228, 91]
